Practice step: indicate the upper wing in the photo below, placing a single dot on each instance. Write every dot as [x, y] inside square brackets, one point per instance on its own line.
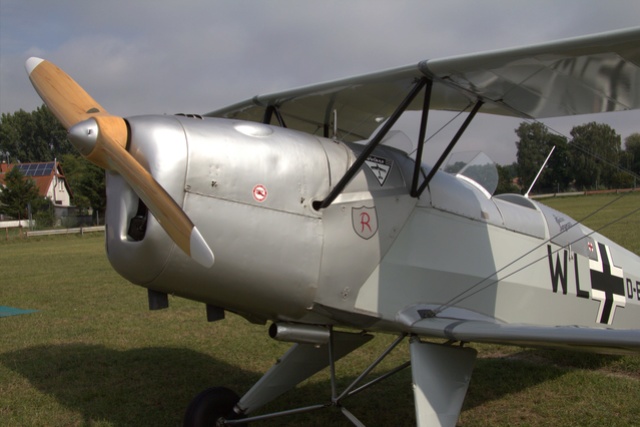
[581, 75]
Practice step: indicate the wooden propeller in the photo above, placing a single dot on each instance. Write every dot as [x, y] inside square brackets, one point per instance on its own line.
[102, 139]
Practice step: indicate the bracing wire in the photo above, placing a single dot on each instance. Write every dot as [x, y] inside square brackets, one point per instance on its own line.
[444, 126]
[473, 291]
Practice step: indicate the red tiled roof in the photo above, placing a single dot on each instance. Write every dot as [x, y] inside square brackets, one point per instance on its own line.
[43, 182]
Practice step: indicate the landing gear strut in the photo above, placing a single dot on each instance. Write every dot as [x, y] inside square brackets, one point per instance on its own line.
[440, 374]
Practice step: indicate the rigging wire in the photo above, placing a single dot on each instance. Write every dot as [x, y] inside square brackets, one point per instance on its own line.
[443, 127]
[381, 115]
[474, 288]
[461, 296]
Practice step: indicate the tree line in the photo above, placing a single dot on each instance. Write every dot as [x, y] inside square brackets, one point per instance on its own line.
[593, 159]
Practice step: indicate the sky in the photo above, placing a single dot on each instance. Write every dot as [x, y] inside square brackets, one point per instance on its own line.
[147, 57]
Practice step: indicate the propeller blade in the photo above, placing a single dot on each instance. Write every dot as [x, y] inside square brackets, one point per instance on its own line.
[66, 99]
[102, 139]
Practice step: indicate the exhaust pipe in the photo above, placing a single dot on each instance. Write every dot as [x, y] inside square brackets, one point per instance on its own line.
[301, 334]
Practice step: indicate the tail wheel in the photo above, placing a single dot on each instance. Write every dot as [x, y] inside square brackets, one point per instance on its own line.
[211, 408]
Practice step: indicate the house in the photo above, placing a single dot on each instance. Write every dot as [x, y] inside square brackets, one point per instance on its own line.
[49, 180]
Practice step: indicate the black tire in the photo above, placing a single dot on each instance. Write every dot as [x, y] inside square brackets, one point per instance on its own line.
[209, 406]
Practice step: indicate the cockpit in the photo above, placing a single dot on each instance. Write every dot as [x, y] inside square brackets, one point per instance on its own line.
[466, 185]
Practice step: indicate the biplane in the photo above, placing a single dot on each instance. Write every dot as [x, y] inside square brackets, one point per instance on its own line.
[302, 208]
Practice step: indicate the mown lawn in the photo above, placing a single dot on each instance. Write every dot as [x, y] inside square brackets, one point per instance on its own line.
[93, 355]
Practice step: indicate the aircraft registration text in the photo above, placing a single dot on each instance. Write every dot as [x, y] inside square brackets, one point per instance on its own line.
[608, 284]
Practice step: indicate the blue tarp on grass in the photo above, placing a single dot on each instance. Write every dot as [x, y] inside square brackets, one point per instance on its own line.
[11, 311]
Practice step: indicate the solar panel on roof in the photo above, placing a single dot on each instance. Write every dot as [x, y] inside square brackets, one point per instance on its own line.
[24, 169]
[36, 169]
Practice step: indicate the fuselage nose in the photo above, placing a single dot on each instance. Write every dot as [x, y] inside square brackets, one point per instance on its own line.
[137, 246]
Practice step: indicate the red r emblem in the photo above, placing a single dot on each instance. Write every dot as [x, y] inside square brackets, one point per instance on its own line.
[260, 193]
[364, 221]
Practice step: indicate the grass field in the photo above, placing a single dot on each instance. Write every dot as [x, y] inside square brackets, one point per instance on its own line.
[93, 355]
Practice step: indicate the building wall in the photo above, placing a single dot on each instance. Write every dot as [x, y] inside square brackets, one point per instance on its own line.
[58, 192]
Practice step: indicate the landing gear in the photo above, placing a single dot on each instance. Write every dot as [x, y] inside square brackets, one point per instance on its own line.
[211, 407]
[440, 372]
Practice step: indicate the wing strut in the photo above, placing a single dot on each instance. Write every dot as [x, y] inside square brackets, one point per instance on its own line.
[426, 106]
[447, 150]
[269, 112]
[327, 118]
[375, 141]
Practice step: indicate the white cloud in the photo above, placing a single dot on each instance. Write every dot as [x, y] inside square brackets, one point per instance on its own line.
[164, 56]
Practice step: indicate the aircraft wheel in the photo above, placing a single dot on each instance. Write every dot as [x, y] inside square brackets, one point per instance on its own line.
[210, 406]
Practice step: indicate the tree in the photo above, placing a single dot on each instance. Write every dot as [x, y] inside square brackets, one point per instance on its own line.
[86, 181]
[559, 173]
[38, 137]
[595, 155]
[632, 151]
[43, 212]
[17, 194]
[32, 137]
[506, 174]
[535, 143]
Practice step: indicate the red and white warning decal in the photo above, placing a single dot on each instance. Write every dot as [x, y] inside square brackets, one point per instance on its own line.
[260, 193]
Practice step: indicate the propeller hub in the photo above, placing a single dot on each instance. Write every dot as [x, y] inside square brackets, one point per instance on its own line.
[84, 136]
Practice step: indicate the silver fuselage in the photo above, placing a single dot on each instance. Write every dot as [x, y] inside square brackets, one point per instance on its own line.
[371, 255]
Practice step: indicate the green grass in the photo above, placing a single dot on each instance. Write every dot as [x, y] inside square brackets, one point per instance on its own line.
[93, 355]
[613, 206]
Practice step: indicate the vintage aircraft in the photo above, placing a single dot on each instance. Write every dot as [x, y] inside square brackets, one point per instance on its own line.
[332, 239]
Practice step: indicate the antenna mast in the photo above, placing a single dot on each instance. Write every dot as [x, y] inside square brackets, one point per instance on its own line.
[539, 172]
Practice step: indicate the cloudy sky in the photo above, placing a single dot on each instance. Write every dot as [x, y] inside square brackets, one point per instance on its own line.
[139, 57]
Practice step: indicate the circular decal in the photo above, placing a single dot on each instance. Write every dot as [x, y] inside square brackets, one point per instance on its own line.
[260, 193]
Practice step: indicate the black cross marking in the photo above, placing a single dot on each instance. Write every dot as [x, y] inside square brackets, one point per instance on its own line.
[606, 286]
